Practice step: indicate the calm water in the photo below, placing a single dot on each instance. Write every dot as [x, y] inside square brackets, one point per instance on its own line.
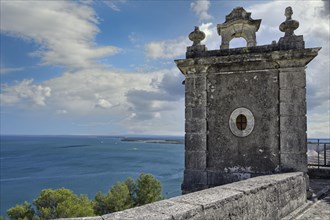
[84, 164]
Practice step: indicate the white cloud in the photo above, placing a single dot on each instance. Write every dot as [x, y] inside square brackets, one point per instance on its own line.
[318, 125]
[212, 39]
[113, 4]
[170, 49]
[102, 103]
[167, 49]
[25, 91]
[4, 70]
[201, 7]
[134, 38]
[313, 24]
[64, 30]
[61, 112]
[127, 98]
[165, 96]
[95, 91]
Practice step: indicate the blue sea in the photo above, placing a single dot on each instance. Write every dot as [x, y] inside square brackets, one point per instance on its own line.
[84, 164]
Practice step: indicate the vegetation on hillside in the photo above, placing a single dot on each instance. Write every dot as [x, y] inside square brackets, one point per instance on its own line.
[63, 203]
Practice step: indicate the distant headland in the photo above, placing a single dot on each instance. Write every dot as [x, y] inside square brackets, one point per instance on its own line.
[154, 140]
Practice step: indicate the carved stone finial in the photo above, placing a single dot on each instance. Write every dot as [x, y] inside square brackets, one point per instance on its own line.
[289, 25]
[238, 24]
[288, 13]
[196, 36]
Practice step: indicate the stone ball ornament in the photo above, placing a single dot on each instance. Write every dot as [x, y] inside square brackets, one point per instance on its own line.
[196, 36]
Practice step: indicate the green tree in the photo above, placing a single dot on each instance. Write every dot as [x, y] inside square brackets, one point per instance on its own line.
[130, 183]
[20, 212]
[101, 206]
[144, 190]
[62, 203]
[148, 189]
[119, 198]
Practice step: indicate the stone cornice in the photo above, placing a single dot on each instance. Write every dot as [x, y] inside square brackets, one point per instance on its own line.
[244, 59]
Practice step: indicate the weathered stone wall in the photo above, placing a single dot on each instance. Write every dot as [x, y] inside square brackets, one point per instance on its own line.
[232, 158]
[264, 197]
[268, 81]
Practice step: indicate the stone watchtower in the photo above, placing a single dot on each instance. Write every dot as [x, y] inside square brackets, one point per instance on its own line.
[245, 107]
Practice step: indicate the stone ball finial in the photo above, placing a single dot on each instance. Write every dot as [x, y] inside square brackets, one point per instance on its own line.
[289, 25]
[196, 36]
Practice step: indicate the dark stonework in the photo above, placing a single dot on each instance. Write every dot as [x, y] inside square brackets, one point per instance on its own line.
[267, 84]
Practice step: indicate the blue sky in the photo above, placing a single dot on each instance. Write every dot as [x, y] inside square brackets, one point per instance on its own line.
[106, 67]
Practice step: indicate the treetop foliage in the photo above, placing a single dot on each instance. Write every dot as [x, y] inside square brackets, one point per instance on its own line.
[63, 203]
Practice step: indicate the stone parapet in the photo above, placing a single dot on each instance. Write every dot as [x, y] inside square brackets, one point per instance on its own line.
[264, 197]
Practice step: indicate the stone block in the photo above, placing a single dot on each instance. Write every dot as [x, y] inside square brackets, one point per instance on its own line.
[293, 142]
[291, 162]
[291, 195]
[194, 180]
[195, 126]
[82, 218]
[294, 109]
[175, 209]
[291, 42]
[293, 124]
[259, 202]
[209, 198]
[195, 142]
[188, 113]
[221, 178]
[292, 95]
[198, 113]
[195, 113]
[138, 213]
[195, 83]
[200, 83]
[195, 160]
[189, 84]
[292, 78]
[195, 99]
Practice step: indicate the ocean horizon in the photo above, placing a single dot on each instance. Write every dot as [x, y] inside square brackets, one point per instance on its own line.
[85, 164]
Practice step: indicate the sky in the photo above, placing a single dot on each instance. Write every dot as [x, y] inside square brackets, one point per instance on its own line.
[107, 67]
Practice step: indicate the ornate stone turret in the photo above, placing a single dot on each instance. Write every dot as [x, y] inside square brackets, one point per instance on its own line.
[245, 107]
[239, 24]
